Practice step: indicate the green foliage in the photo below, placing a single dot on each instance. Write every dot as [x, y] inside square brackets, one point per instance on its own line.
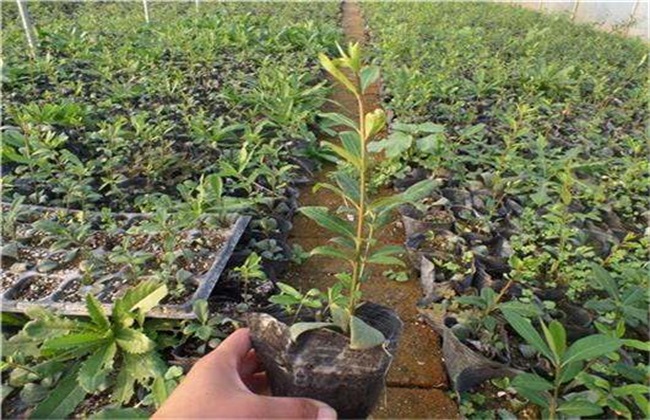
[89, 356]
[567, 362]
[220, 93]
[205, 328]
[356, 244]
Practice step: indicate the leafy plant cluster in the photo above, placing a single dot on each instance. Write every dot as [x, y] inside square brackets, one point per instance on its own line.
[110, 113]
[534, 130]
[194, 116]
[531, 116]
[43, 249]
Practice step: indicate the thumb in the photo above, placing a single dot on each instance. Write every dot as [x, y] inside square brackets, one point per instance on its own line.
[304, 408]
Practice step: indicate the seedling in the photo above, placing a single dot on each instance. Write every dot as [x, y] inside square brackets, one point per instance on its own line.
[356, 244]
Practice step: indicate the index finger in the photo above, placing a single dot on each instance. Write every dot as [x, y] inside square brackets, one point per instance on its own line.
[232, 351]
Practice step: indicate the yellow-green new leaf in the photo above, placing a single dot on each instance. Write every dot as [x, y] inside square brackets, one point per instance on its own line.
[354, 56]
[332, 69]
[132, 341]
[375, 122]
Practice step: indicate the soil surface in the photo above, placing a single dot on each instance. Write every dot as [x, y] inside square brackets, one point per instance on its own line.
[416, 383]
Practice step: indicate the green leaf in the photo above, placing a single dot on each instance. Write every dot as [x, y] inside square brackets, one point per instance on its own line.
[331, 68]
[200, 309]
[630, 389]
[289, 290]
[132, 341]
[93, 371]
[393, 145]
[643, 404]
[385, 255]
[388, 250]
[591, 347]
[618, 407]
[136, 367]
[637, 344]
[605, 281]
[348, 184]
[343, 242]
[12, 320]
[385, 260]
[331, 252]
[151, 300]
[414, 193]
[86, 340]
[341, 317]
[430, 143]
[579, 408]
[344, 154]
[471, 301]
[96, 312]
[368, 76]
[321, 216]
[340, 119]
[284, 300]
[375, 123]
[32, 393]
[63, 399]
[556, 338]
[123, 388]
[430, 128]
[159, 391]
[143, 297]
[299, 328]
[531, 382]
[525, 329]
[570, 371]
[351, 143]
[363, 336]
[144, 366]
[536, 397]
[337, 191]
[420, 190]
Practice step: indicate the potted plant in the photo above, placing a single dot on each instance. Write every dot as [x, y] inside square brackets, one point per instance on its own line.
[340, 349]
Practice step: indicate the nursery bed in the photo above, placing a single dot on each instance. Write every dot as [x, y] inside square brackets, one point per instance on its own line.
[56, 279]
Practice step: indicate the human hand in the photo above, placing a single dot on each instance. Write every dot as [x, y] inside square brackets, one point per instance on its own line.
[225, 384]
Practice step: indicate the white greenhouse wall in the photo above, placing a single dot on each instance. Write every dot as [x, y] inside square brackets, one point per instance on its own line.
[610, 15]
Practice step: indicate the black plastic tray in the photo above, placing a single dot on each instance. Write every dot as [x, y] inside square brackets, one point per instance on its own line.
[205, 283]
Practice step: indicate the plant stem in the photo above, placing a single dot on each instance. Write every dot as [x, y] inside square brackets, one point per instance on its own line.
[359, 262]
[556, 393]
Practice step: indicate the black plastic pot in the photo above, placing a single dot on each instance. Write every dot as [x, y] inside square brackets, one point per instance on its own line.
[321, 365]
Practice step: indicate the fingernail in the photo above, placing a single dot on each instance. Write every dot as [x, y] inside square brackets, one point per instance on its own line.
[325, 412]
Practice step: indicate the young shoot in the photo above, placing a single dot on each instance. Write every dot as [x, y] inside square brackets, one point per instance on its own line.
[355, 242]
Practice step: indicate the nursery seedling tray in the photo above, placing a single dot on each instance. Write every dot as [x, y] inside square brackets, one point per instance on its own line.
[58, 283]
